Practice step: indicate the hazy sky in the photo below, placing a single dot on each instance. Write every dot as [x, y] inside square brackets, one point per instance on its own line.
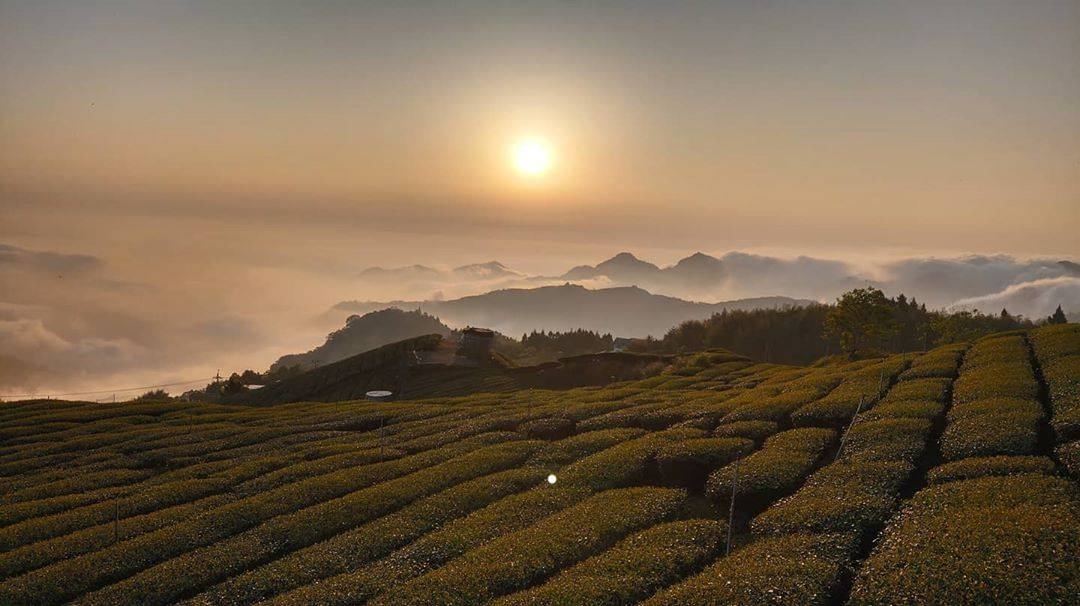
[941, 125]
[208, 151]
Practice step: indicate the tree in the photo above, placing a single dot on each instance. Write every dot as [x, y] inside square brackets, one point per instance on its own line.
[153, 396]
[1058, 317]
[862, 319]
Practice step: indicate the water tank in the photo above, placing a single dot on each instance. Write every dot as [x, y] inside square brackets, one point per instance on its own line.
[379, 395]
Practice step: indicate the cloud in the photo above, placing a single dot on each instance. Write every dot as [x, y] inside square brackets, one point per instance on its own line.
[1034, 299]
[938, 282]
[13, 257]
[30, 346]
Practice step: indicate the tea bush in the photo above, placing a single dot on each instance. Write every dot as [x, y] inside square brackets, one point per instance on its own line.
[842, 497]
[688, 462]
[194, 570]
[991, 540]
[790, 569]
[977, 467]
[1004, 433]
[631, 570]
[774, 471]
[751, 430]
[518, 560]
[898, 439]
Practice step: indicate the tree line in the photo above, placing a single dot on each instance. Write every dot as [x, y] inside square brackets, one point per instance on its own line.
[862, 321]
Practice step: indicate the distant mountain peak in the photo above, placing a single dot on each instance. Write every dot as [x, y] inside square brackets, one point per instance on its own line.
[698, 258]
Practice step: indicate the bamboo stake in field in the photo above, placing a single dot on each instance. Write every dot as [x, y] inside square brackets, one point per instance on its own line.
[843, 438]
[731, 508]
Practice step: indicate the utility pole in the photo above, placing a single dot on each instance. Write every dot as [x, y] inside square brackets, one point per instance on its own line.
[116, 521]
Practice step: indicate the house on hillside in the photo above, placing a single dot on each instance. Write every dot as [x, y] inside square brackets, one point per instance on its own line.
[476, 345]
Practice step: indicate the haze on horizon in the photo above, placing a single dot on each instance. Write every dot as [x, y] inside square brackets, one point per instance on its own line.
[209, 176]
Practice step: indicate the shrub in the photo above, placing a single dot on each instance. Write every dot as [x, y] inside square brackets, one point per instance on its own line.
[792, 569]
[941, 362]
[191, 571]
[775, 408]
[1069, 455]
[977, 467]
[44, 527]
[920, 389]
[653, 417]
[63, 580]
[1063, 380]
[568, 450]
[839, 405]
[813, 440]
[1012, 379]
[619, 465]
[432, 550]
[632, 569]
[688, 462]
[518, 560]
[900, 439]
[1006, 433]
[841, 497]
[772, 472]
[966, 410]
[752, 430]
[553, 428]
[347, 551]
[908, 409]
[992, 540]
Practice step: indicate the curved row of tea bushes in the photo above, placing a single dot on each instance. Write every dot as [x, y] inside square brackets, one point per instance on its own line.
[351, 550]
[859, 390]
[631, 570]
[1057, 350]
[516, 561]
[93, 538]
[995, 408]
[992, 526]
[687, 463]
[789, 569]
[977, 467]
[154, 508]
[941, 362]
[851, 498]
[755, 431]
[772, 472]
[67, 579]
[195, 570]
[991, 540]
[621, 465]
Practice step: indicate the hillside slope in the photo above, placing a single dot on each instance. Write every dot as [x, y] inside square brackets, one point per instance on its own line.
[952, 486]
[364, 333]
[624, 312]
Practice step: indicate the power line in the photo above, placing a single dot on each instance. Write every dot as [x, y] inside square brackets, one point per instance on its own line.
[89, 393]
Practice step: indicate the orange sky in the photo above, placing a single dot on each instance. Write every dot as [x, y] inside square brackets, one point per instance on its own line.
[938, 125]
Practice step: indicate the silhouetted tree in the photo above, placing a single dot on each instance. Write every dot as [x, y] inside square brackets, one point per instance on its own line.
[862, 319]
[1058, 317]
[153, 396]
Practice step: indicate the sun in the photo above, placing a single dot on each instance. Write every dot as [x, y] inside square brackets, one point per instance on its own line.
[532, 157]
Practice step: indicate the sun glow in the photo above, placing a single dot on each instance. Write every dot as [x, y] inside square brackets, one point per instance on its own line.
[532, 157]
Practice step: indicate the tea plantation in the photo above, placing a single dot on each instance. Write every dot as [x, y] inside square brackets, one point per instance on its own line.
[947, 477]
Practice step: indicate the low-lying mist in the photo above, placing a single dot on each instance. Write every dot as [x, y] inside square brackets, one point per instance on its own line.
[77, 320]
